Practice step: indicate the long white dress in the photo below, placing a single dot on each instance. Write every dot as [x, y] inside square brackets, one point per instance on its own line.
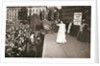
[61, 36]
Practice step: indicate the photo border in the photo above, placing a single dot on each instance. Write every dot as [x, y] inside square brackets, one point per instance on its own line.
[93, 42]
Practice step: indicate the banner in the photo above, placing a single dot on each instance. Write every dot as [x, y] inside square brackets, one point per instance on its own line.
[77, 18]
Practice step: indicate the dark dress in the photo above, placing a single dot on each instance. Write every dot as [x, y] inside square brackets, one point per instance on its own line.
[74, 30]
[84, 36]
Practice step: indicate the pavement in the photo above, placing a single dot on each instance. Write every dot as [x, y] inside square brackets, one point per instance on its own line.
[72, 49]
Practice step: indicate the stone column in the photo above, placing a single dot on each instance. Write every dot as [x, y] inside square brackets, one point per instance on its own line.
[28, 12]
[7, 14]
[10, 14]
[35, 10]
[32, 11]
[14, 14]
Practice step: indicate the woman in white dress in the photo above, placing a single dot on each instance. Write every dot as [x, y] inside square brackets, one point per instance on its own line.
[61, 36]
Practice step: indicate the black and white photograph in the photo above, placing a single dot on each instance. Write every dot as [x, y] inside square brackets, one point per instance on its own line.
[48, 31]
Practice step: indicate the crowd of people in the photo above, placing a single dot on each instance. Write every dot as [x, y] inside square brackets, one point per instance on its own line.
[19, 44]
